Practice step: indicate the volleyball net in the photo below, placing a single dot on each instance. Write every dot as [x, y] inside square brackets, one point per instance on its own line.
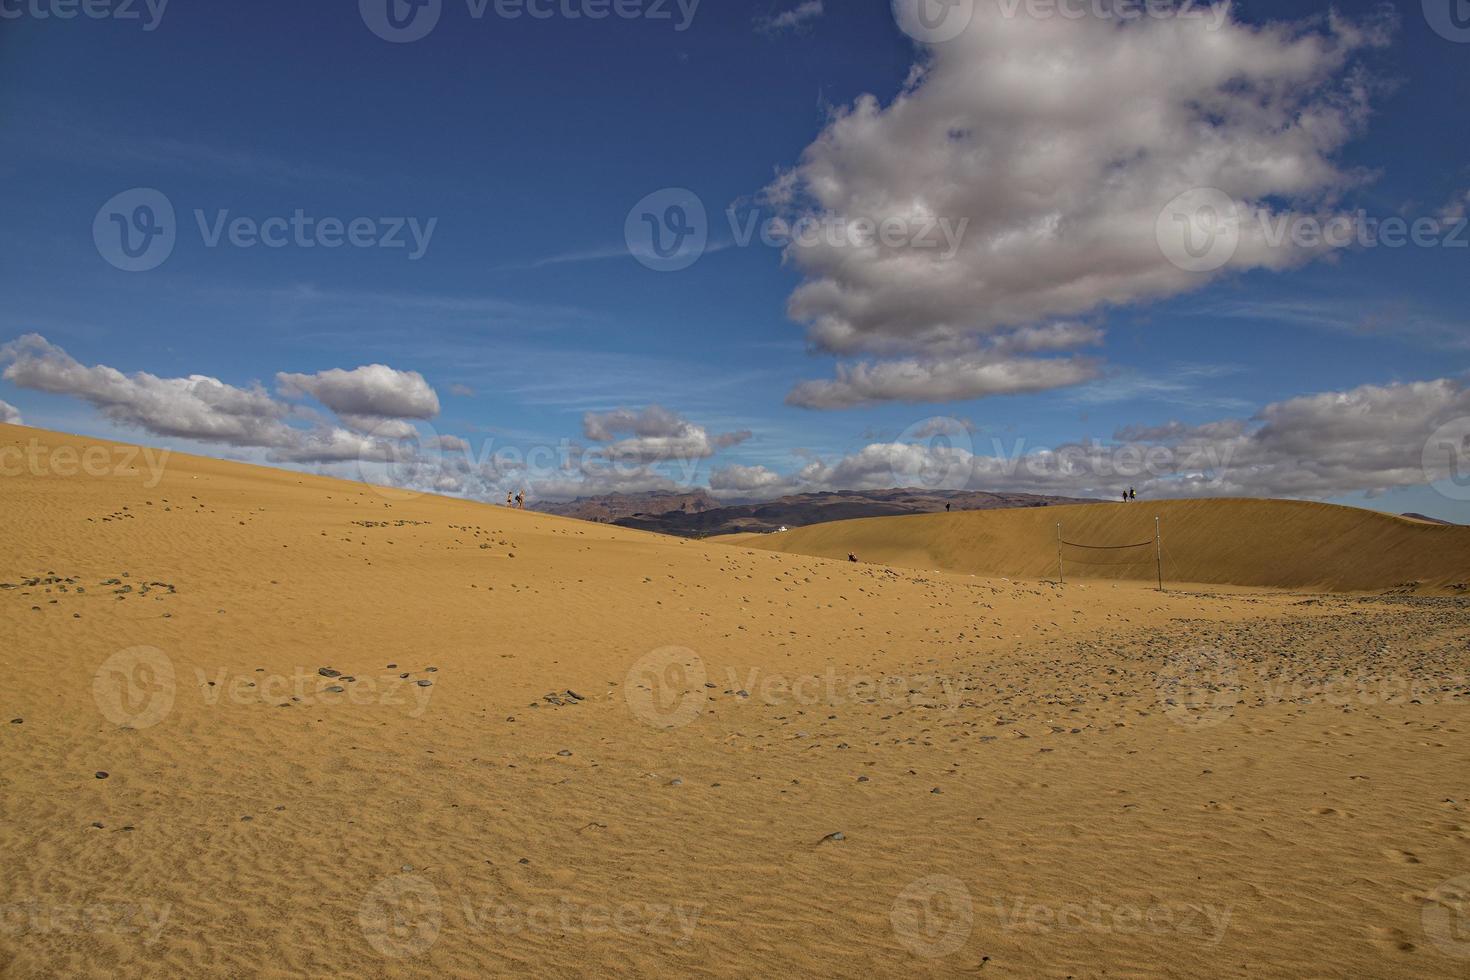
[1112, 555]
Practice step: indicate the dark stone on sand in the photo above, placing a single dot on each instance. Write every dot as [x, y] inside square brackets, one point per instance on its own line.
[17, 721]
[101, 775]
[336, 689]
[424, 683]
[565, 752]
[329, 672]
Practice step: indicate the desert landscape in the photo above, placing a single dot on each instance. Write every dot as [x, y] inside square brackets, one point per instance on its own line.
[261, 722]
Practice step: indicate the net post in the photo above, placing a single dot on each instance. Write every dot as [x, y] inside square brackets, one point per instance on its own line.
[1159, 551]
[1060, 579]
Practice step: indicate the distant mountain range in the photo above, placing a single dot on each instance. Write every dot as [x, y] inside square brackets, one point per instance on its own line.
[699, 514]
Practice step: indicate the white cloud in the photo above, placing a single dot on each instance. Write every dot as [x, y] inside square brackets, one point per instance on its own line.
[195, 407]
[374, 391]
[9, 414]
[793, 19]
[946, 379]
[206, 409]
[654, 434]
[1059, 141]
[449, 444]
[1365, 440]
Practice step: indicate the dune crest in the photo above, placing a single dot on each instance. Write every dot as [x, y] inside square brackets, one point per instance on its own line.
[1287, 544]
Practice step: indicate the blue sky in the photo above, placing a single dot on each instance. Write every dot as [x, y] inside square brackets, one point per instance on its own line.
[526, 142]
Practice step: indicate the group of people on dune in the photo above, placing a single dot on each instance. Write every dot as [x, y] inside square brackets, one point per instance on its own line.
[519, 500]
[1130, 494]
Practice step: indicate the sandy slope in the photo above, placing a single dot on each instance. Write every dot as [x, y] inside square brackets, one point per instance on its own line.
[1274, 543]
[1027, 781]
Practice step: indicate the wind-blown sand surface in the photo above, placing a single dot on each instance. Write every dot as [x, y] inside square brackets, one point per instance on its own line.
[1288, 544]
[558, 748]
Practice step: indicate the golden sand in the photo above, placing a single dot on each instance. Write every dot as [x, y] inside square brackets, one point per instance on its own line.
[648, 756]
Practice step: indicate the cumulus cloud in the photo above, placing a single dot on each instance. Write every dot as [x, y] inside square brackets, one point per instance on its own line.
[194, 407]
[205, 409]
[9, 414]
[1056, 143]
[1368, 439]
[448, 443]
[652, 434]
[359, 396]
[795, 18]
[931, 379]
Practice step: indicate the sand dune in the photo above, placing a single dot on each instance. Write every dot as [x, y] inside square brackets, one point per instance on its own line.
[1268, 543]
[262, 723]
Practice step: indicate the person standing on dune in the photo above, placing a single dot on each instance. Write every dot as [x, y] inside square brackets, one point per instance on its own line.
[507, 498]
